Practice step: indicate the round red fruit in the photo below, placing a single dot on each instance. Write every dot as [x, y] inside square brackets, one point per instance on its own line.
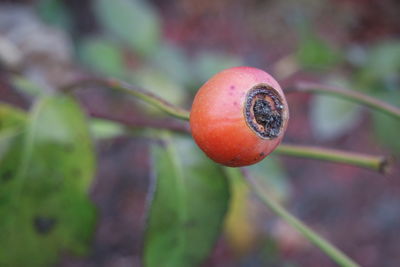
[239, 116]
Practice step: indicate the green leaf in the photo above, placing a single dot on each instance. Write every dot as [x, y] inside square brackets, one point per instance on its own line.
[103, 56]
[314, 53]
[44, 180]
[189, 203]
[134, 21]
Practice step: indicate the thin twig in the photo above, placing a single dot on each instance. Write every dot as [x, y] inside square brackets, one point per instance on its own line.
[376, 163]
[358, 97]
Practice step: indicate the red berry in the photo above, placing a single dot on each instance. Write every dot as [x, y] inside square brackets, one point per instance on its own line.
[239, 116]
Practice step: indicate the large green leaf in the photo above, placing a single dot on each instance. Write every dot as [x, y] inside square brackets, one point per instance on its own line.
[134, 21]
[189, 203]
[44, 179]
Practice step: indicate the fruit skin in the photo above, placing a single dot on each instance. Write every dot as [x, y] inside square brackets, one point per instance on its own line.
[218, 122]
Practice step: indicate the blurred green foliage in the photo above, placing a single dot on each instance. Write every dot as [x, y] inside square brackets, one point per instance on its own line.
[315, 54]
[103, 56]
[134, 21]
[379, 76]
[375, 72]
[380, 68]
[55, 12]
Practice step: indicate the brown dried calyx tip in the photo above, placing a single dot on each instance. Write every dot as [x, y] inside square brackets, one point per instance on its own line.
[264, 111]
[386, 165]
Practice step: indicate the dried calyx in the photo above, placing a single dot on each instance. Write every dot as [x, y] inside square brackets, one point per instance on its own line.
[264, 111]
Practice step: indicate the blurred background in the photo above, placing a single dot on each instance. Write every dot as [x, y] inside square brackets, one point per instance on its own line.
[171, 48]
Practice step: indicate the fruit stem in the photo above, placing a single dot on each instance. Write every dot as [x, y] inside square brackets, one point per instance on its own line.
[363, 99]
[331, 251]
[135, 91]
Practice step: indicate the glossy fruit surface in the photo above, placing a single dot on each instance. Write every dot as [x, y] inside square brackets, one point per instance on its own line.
[239, 116]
